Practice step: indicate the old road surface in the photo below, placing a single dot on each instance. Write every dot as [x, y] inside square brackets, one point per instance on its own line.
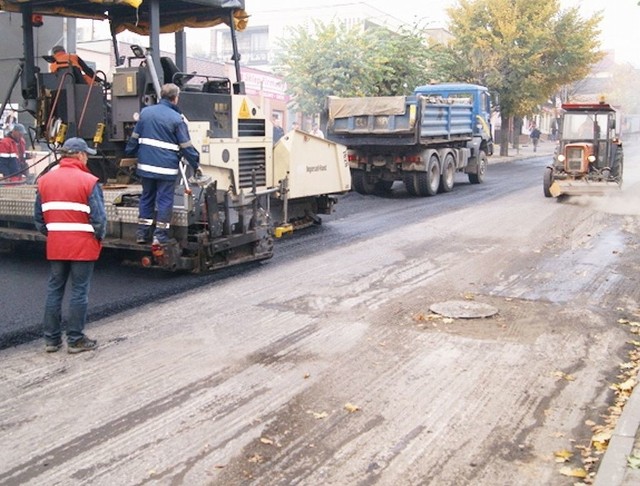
[324, 366]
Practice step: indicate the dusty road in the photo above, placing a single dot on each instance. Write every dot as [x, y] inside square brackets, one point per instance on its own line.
[328, 368]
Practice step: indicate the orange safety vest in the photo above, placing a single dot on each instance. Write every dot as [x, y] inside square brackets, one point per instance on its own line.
[64, 195]
[65, 60]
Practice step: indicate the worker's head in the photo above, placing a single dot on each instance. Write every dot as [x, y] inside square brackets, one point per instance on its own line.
[18, 131]
[77, 148]
[57, 49]
[170, 92]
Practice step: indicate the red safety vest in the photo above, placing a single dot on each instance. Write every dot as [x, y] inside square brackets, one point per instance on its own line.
[64, 194]
[9, 148]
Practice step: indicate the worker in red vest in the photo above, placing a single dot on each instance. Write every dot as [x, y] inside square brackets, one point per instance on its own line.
[70, 211]
[64, 60]
[13, 152]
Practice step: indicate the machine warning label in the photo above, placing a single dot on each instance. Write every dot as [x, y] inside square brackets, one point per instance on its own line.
[316, 168]
[244, 110]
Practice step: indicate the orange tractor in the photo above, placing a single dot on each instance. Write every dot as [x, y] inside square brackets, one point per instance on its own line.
[589, 158]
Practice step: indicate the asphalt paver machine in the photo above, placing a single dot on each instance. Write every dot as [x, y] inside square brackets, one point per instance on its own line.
[249, 193]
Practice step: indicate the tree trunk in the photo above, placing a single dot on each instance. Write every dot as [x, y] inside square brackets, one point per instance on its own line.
[504, 134]
[517, 130]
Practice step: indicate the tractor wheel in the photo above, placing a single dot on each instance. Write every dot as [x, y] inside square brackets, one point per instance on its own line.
[448, 174]
[361, 182]
[478, 177]
[618, 166]
[547, 180]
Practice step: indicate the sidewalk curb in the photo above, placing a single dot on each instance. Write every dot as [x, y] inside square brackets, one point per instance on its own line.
[613, 467]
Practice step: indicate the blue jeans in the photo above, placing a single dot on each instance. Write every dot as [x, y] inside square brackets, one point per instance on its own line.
[80, 274]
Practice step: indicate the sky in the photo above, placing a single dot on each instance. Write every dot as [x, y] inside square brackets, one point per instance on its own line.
[620, 25]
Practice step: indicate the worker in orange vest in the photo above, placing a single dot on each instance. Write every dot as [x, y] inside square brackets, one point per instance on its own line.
[65, 60]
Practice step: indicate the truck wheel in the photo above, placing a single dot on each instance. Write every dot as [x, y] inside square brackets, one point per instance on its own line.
[410, 182]
[547, 180]
[448, 174]
[361, 183]
[482, 163]
[429, 181]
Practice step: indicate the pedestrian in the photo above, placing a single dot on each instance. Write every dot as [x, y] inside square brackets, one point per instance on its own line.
[82, 72]
[315, 130]
[295, 126]
[278, 131]
[535, 136]
[10, 121]
[159, 140]
[13, 153]
[70, 212]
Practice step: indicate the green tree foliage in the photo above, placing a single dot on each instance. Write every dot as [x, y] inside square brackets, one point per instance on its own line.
[331, 59]
[524, 51]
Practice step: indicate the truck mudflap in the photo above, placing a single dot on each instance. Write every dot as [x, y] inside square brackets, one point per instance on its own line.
[582, 188]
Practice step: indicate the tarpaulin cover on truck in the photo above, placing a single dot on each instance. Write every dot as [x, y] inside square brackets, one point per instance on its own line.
[380, 105]
[133, 15]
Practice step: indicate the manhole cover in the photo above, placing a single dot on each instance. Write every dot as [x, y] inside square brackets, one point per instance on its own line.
[463, 309]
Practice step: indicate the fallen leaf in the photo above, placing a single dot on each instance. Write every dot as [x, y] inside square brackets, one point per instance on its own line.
[306, 375]
[634, 460]
[469, 296]
[627, 385]
[590, 423]
[563, 455]
[318, 415]
[350, 407]
[264, 440]
[563, 376]
[601, 439]
[256, 458]
[577, 472]
[447, 320]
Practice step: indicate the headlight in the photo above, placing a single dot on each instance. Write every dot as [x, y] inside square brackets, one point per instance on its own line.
[561, 158]
[591, 158]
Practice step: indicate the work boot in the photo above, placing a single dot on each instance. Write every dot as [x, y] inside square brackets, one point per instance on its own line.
[161, 236]
[82, 344]
[52, 347]
[143, 233]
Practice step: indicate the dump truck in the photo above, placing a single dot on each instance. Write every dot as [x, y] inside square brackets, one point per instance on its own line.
[250, 192]
[421, 140]
[589, 159]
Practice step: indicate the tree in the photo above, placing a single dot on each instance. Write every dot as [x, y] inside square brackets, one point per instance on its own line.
[523, 51]
[331, 59]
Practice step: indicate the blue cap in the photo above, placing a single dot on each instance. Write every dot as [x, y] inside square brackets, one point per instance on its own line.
[77, 144]
[19, 127]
